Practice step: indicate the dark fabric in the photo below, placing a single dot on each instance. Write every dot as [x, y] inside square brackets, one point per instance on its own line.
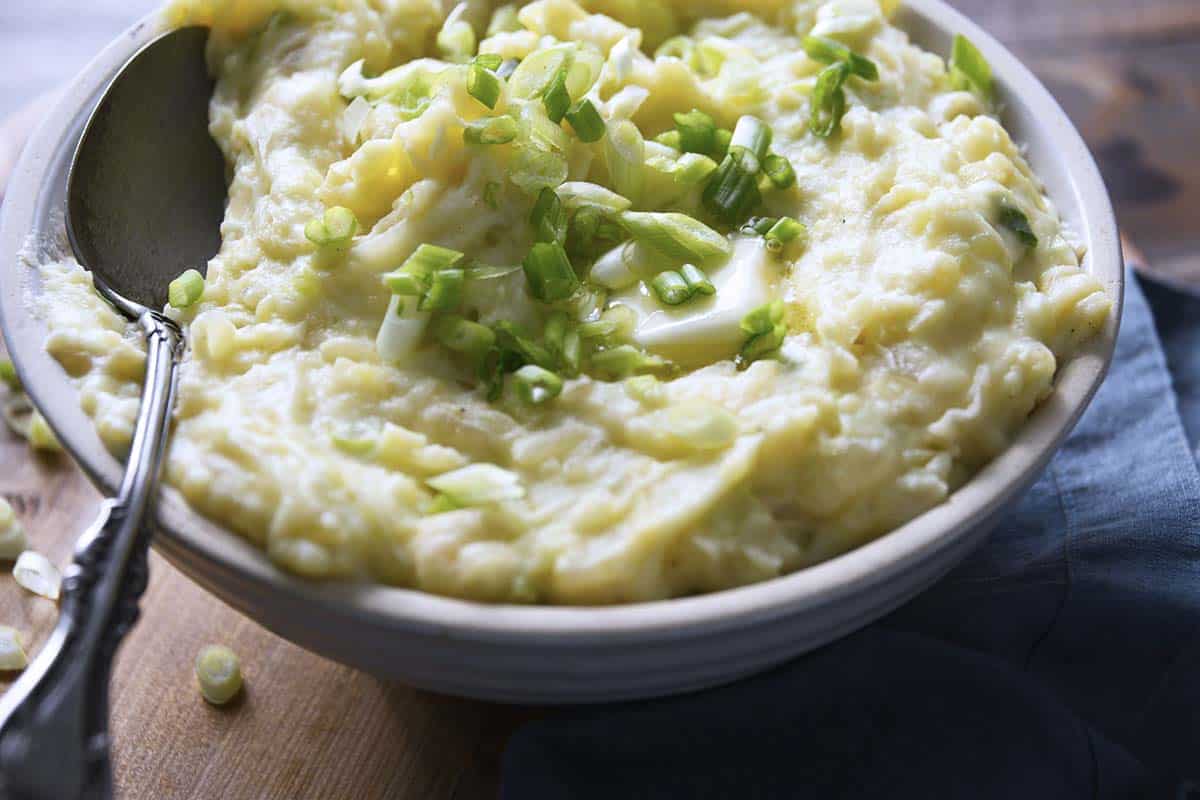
[1061, 660]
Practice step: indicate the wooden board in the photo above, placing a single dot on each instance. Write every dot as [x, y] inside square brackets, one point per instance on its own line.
[1127, 72]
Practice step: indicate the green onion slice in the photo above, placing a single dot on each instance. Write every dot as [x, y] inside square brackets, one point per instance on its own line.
[445, 291]
[483, 85]
[670, 138]
[617, 363]
[697, 280]
[334, 229]
[969, 70]
[549, 272]
[779, 170]
[219, 674]
[491, 130]
[557, 99]
[513, 341]
[732, 193]
[489, 195]
[677, 235]
[463, 336]
[763, 319]
[758, 226]
[490, 61]
[533, 76]
[697, 131]
[829, 100]
[182, 292]
[536, 385]
[752, 135]
[548, 218]
[586, 121]
[423, 263]
[721, 143]
[828, 51]
[1015, 220]
[581, 194]
[8, 375]
[670, 288]
[784, 232]
[625, 151]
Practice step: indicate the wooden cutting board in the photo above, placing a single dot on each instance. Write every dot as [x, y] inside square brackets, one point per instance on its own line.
[1126, 70]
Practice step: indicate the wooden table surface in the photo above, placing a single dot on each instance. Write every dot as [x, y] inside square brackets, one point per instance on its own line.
[1128, 73]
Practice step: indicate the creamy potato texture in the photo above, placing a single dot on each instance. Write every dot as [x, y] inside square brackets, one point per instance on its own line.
[921, 332]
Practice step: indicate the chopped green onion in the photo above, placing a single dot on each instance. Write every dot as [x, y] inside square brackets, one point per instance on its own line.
[8, 375]
[969, 70]
[783, 233]
[334, 229]
[34, 572]
[779, 170]
[490, 61]
[670, 288]
[554, 333]
[549, 272]
[697, 131]
[456, 39]
[828, 100]
[442, 503]
[354, 446]
[478, 271]
[572, 349]
[536, 167]
[1015, 220]
[670, 138]
[753, 136]
[13, 541]
[400, 334]
[41, 435]
[677, 235]
[693, 168]
[491, 130]
[759, 225]
[219, 674]
[506, 69]
[464, 336]
[580, 194]
[697, 280]
[406, 283]
[423, 263]
[828, 51]
[12, 654]
[512, 340]
[721, 143]
[625, 151]
[483, 85]
[445, 291]
[536, 385]
[548, 218]
[617, 363]
[489, 195]
[479, 485]
[185, 290]
[732, 192]
[532, 76]
[586, 121]
[761, 345]
[763, 319]
[504, 20]
[557, 99]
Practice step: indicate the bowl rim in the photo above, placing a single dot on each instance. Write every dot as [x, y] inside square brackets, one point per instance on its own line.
[215, 556]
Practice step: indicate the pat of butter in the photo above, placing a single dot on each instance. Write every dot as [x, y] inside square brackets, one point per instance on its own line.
[706, 329]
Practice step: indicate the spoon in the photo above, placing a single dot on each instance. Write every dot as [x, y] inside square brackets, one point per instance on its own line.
[145, 198]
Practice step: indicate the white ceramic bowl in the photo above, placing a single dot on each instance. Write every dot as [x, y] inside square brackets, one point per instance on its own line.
[523, 654]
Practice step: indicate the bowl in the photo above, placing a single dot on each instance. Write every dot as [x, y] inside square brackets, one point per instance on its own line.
[578, 655]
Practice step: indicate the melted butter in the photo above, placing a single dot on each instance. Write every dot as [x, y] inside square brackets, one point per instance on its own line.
[708, 329]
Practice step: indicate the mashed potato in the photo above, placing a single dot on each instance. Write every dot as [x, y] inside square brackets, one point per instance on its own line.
[921, 327]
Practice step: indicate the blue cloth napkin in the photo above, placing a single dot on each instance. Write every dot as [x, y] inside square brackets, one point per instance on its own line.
[1061, 660]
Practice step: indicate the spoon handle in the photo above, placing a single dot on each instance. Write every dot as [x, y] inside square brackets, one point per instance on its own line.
[54, 739]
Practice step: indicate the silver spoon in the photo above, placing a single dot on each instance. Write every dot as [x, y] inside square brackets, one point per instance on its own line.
[145, 198]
